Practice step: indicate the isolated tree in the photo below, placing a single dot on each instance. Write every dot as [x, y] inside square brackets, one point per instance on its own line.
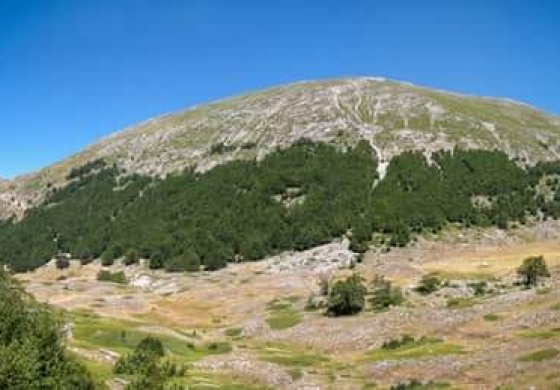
[108, 276]
[532, 269]
[347, 297]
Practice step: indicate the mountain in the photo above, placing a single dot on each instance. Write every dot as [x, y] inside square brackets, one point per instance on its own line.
[342, 195]
[392, 116]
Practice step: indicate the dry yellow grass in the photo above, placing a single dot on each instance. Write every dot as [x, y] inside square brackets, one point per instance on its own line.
[496, 261]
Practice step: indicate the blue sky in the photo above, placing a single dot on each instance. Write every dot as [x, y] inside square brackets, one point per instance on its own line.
[73, 71]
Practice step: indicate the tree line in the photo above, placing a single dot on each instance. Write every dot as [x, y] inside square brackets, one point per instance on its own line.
[295, 198]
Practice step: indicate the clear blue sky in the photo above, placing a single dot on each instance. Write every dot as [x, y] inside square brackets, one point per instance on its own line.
[72, 71]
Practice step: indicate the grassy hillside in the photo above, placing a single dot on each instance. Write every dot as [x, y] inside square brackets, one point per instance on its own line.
[251, 324]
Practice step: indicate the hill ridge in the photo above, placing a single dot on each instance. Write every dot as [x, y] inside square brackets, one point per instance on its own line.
[392, 115]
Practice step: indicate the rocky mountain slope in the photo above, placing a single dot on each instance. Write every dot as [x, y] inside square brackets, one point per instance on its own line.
[392, 116]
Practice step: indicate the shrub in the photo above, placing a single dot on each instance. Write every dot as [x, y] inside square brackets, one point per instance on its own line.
[460, 302]
[248, 145]
[221, 148]
[415, 384]
[219, 347]
[358, 246]
[131, 257]
[157, 260]
[86, 169]
[400, 238]
[428, 284]
[234, 332]
[111, 254]
[385, 296]
[86, 259]
[151, 346]
[324, 285]
[147, 364]
[361, 235]
[108, 276]
[295, 373]
[532, 269]
[397, 343]
[491, 317]
[186, 261]
[347, 297]
[315, 302]
[479, 288]
[106, 261]
[62, 263]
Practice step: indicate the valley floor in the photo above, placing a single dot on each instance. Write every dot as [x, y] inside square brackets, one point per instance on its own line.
[246, 326]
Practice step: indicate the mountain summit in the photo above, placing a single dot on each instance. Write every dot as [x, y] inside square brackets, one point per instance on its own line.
[392, 116]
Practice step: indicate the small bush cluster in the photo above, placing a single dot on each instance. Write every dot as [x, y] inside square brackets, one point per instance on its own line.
[62, 263]
[218, 347]
[460, 302]
[491, 317]
[221, 148]
[479, 287]
[429, 284]
[234, 332]
[416, 384]
[397, 343]
[384, 295]
[86, 169]
[108, 276]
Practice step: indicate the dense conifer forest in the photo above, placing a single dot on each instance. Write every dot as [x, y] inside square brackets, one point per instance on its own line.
[294, 199]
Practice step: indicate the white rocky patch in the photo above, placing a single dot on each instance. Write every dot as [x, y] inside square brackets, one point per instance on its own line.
[323, 259]
[141, 281]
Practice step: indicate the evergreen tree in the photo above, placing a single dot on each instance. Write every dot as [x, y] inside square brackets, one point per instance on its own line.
[347, 297]
[532, 269]
[32, 354]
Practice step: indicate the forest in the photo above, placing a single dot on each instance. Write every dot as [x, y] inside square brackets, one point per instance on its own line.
[295, 198]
